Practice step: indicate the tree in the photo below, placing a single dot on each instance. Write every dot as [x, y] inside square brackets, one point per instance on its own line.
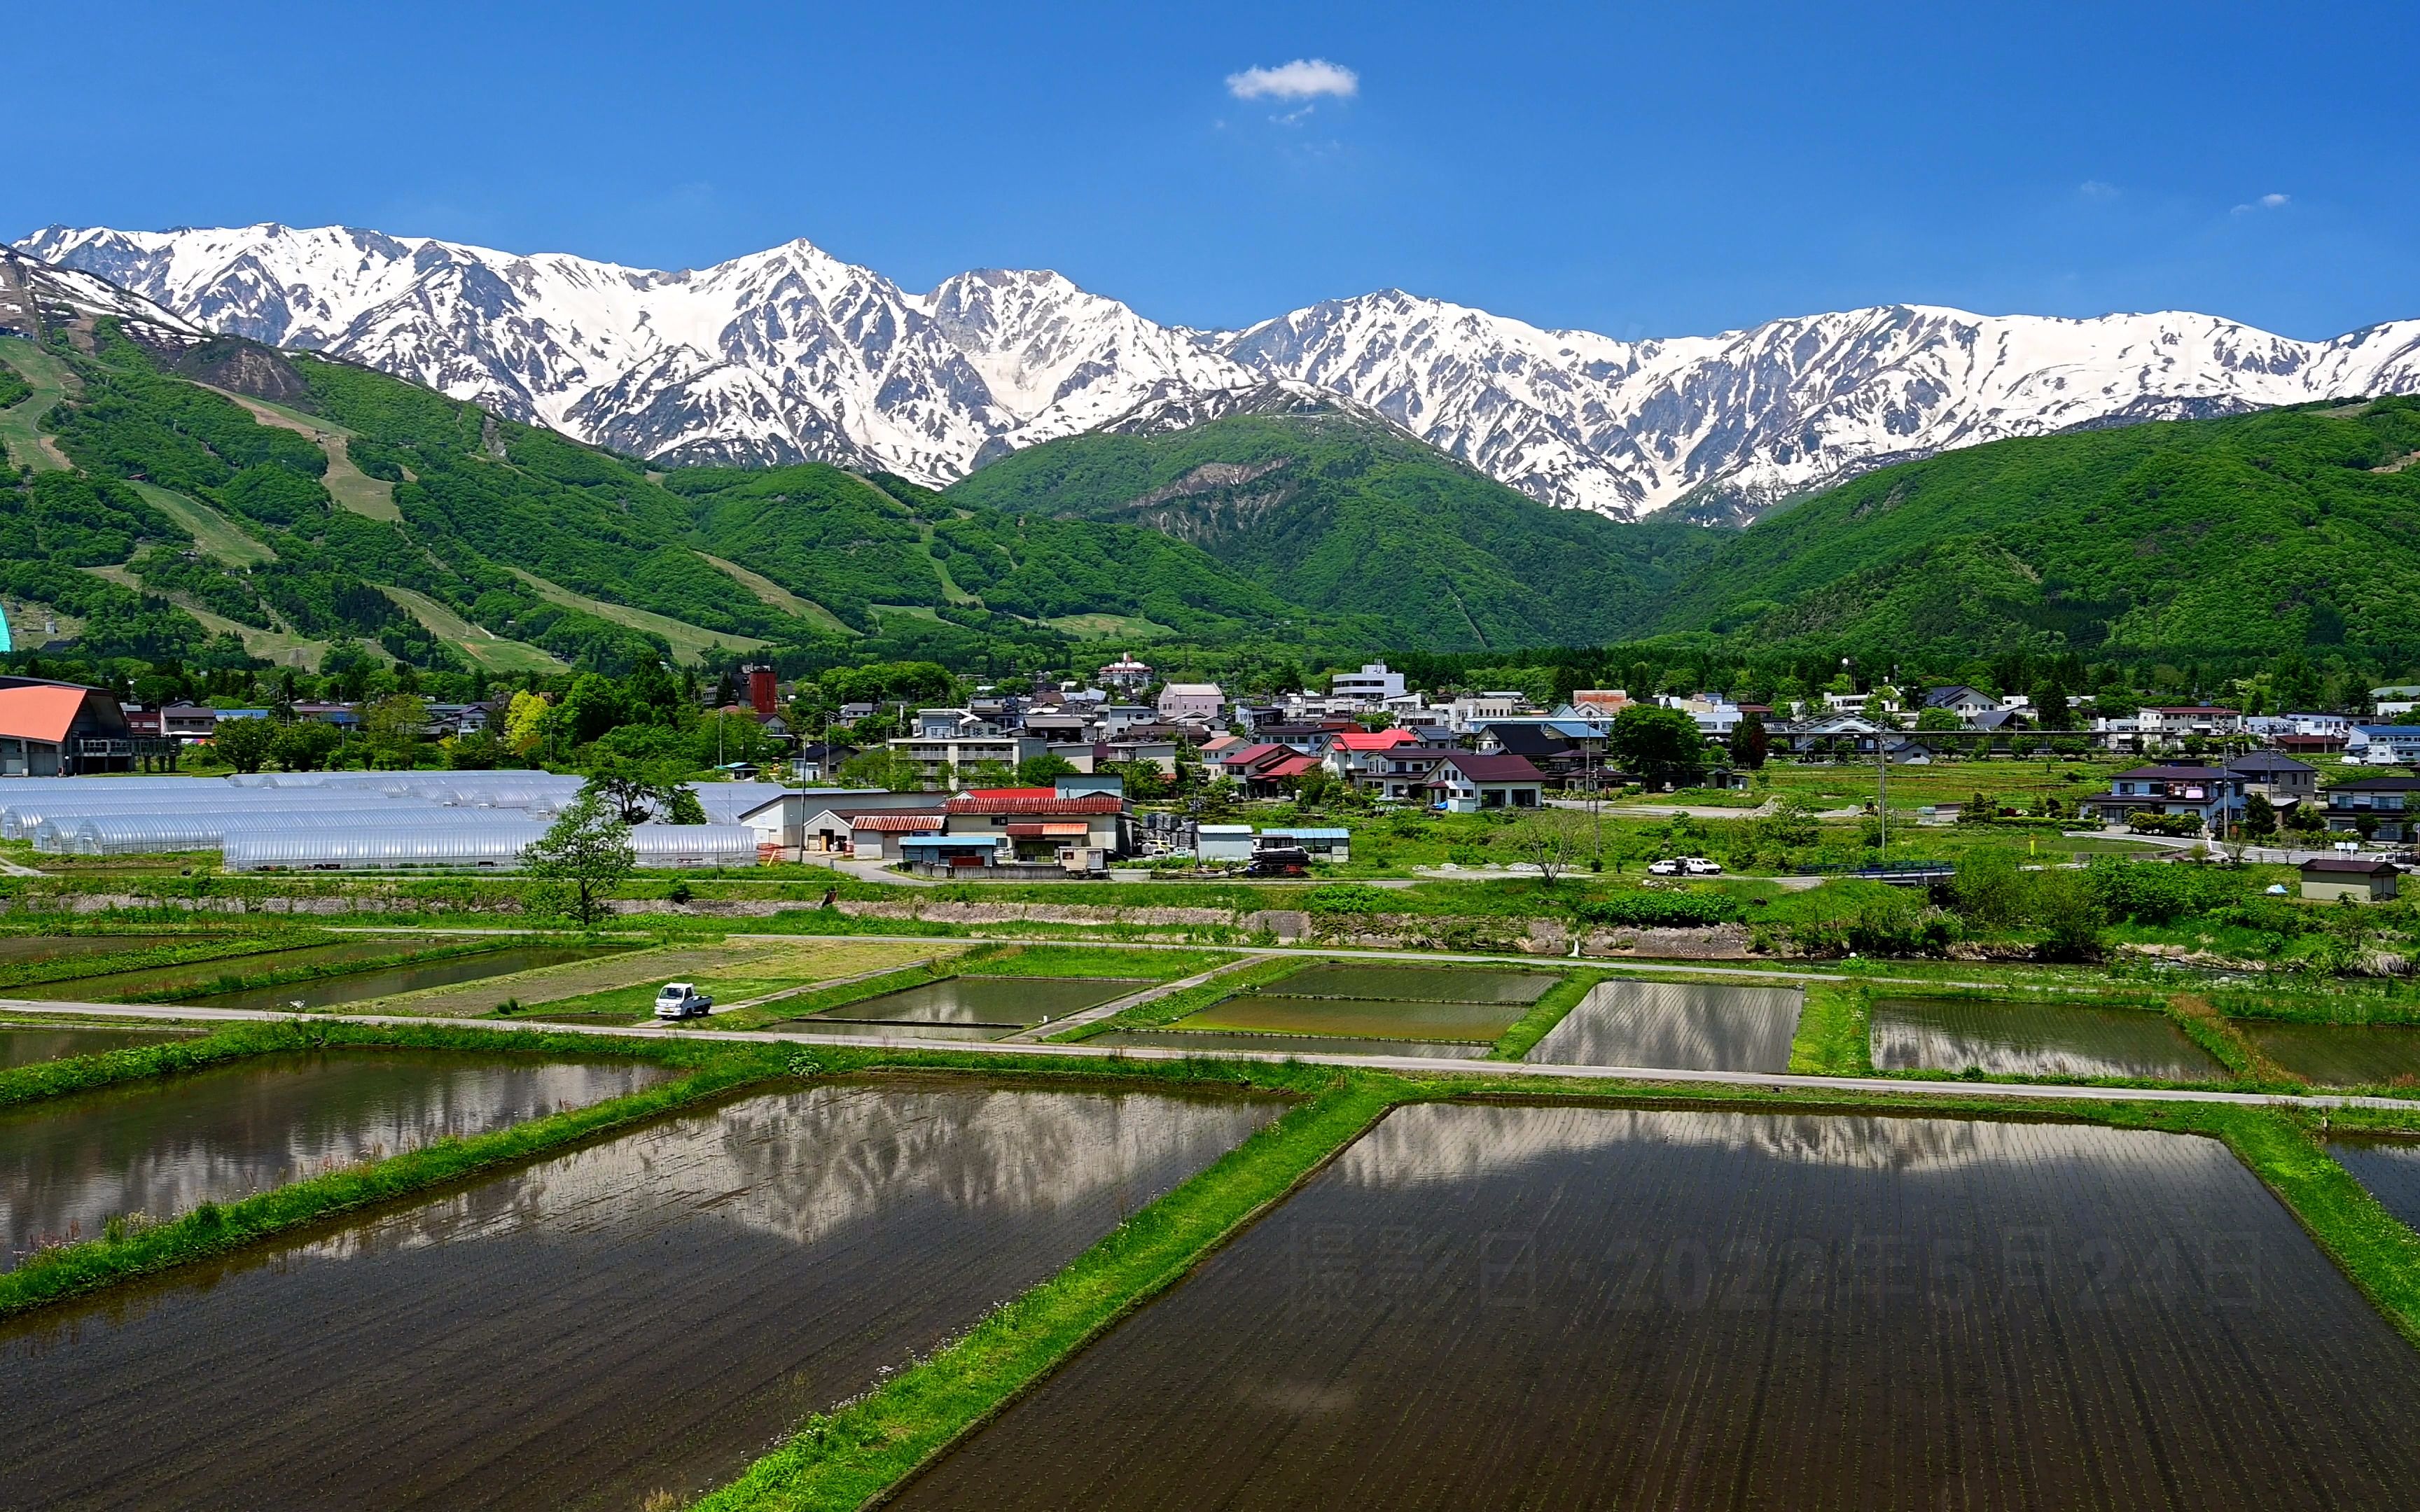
[1750, 744]
[244, 744]
[2259, 816]
[631, 791]
[682, 806]
[1550, 840]
[525, 723]
[2050, 707]
[589, 848]
[1043, 770]
[1657, 744]
[881, 767]
[593, 706]
[304, 747]
[1939, 720]
[392, 726]
[477, 752]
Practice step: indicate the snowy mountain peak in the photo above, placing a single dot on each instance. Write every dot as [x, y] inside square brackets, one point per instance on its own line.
[791, 353]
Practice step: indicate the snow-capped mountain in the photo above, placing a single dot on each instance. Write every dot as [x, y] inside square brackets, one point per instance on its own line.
[36, 298]
[791, 354]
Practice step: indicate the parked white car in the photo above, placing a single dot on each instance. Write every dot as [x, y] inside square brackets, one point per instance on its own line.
[682, 1000]
[1697, 866]
[1664, 869]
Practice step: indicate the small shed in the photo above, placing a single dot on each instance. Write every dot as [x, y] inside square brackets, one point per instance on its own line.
[1223, 843]
[2330, 878]
[1324, 844]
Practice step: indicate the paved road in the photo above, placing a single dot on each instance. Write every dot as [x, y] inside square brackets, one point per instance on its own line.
[1412, 1065]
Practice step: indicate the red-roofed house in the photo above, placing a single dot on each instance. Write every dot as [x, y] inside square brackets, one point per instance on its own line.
[1038, 822]
[1464, 783]
[61, 730]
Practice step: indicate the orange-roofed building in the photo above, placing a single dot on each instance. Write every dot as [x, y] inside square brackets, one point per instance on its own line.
[61, 730]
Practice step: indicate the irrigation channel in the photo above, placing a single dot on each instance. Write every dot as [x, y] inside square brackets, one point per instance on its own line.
[162, 1146]
[638, 1316]
[1506, 1306]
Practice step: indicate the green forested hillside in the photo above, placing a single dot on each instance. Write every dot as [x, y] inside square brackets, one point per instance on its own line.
[2242, 537]
[1345, 514]
[329, 503]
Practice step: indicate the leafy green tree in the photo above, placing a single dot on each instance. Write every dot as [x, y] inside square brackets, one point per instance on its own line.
[632, 790]
[587, 848]
[1657, 744]
[304, 746]
[392, 727]
[2259, 816]
[1043, 770]
[881, 767]
[244, 744]
[593, 706]
[1939, 720]
[477, 752]
[682, 806]
[2050, 707]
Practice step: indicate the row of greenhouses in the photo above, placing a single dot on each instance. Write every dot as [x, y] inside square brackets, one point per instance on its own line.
[496, 842]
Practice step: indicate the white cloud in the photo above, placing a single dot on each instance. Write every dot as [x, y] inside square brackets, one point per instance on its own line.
[1302, 78]
[2095, 188]
[2266, 202]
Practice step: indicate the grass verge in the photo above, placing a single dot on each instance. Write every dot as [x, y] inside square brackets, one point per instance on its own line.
[841, 1459]
[124, 1252]
[1545, 1013]
[1834, 1029]
[149, 957]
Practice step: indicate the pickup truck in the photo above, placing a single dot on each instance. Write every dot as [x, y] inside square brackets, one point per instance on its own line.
[682, 1000]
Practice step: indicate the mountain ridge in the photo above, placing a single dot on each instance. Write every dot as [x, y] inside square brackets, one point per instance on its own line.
[792, 355]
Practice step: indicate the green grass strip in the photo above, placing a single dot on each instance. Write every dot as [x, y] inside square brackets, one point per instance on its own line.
[1545, 1013]
[2370, 1245]
[839, 1460]
[143, 958]
[214, 1228]
[1834, 1033]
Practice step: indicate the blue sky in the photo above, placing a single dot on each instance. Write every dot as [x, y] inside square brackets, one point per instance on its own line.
[1633, 169]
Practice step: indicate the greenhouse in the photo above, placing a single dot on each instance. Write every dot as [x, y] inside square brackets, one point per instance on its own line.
[161, 832]
[671, 847]
[483, 842]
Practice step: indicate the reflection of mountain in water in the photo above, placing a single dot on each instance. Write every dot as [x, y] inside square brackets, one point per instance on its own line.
[1676, 1026]
[1450, 1145]
[802, 1165]
[163, 1149]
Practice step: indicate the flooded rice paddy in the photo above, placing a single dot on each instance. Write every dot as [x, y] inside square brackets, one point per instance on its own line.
[1371, 1018]
[2340, 1055]
[1559, 1306]
[388, 981]
[25, 1044]
[1676, 1027]
[2389, 1167]
[1429, 984]
[642, 1314]
[1208, 1041]
[999, 1005]
[202, 976]
[68, 1164]
[2033, 1039]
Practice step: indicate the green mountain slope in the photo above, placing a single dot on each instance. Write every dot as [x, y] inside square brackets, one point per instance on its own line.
[315, 501]
[1341, 514]
[2246, 536]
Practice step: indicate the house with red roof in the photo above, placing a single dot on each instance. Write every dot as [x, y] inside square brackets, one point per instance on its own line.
[1037, 822]
[61, 730]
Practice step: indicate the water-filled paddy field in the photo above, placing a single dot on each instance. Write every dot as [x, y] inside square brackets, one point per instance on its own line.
[1676, 1027]
[1566, 1306]
[1381, 1002]
[24, 1045]
[996, 1005]
[68, 1164]
[2389, 1167]
[2340, 1055]
[2034, 1038]
[1211, 1041]
[640, 1315]
[387, 982]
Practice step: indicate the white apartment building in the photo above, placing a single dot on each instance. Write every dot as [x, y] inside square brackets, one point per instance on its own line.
[1369, 689]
